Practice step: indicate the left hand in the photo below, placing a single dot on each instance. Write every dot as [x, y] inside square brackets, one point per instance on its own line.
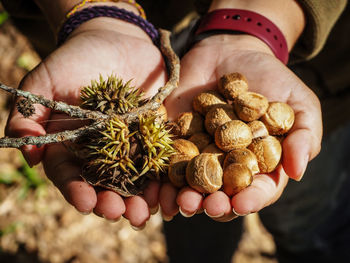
[201, 69]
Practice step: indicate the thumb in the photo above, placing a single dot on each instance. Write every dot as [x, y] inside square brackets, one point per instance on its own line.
[19, 126]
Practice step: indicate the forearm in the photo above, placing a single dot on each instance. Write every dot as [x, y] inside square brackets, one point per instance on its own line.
[287, 15]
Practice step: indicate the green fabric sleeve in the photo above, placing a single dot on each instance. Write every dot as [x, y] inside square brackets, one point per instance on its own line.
[321, 16]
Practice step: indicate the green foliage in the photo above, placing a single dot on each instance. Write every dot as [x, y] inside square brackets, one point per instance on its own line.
[3, 17]
[9, 229]
[27, 178]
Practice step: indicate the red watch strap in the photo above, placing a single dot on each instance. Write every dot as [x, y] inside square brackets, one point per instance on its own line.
[248, 22]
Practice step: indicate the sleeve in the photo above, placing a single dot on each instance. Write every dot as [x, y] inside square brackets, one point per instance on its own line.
[321, 16]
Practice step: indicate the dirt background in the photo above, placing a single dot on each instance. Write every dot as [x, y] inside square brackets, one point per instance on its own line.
[37, 225]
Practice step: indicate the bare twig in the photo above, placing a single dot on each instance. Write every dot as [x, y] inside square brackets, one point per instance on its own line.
[71, 135]
[73, 111]
[173, 64]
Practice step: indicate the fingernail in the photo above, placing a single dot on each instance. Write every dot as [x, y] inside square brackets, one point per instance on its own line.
[305, 163]
[167, 218]
[27, 157]
[111, 220]
[185, 214]
[154, 210]
[212, 216]
[84, 212]
[138, 228]
[233, 210]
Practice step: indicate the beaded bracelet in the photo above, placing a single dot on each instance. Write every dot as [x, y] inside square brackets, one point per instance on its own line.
[84, 2]
[78, 18]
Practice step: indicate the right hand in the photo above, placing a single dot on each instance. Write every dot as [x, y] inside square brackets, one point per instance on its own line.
[201, 69]
[100, 46]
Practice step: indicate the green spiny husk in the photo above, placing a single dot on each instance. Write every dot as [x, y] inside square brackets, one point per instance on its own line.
[123, 160]
[157, 142]
[123, 157]
[108, 162]
[110, 96]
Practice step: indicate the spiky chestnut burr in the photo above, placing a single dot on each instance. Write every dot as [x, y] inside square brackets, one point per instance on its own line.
[121, 158]
[110, 96]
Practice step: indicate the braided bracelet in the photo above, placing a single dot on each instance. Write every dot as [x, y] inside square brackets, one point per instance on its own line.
[84, 2]
[78, 18]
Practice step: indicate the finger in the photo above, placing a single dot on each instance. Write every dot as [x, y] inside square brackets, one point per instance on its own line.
[189, 201]
[136, 212]
[217, 205]
[303, 142]
[297, 152]
[19, 126]
[264, 190]
[150, 195]
[109, 205]
[167, 201]
[65, 174]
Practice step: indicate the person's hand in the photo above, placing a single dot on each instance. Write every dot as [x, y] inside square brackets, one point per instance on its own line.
[201, 69]
[100, 46]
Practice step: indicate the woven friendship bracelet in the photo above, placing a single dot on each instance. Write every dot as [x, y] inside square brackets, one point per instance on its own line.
[89, 13]
[84, 2]
[223, 21]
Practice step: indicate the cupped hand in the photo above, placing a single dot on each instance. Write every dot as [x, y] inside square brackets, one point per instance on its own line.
[201, 69]
[100, 46]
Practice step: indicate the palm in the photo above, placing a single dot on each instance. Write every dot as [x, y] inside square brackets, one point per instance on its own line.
[201, 69]
[59, 77]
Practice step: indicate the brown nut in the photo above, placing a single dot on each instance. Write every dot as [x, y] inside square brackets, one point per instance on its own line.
[201, 140]
[258, 128]
[212, 148]
[236, 177]
[242, 156]
[190, 123]
[250, 106]
[231, 85]
[268, 152]
[204, 173]
[217, 116]
[162, 113]
[279, 118]
[203, 102]
[177, 171]
[233, 135]
[182, 148]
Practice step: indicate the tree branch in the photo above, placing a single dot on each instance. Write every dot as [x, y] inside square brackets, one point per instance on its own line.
[70, 135]
[73, 111]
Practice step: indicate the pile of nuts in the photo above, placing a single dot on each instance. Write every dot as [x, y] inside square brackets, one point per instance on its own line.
[232, 135]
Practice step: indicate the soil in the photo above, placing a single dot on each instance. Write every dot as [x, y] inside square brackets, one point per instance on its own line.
[38, 225]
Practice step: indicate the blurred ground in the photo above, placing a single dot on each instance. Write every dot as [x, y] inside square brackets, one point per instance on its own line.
[37, 225]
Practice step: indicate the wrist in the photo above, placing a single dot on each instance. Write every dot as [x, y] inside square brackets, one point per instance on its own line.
[287, 15]
[76, 19]
[111, 25]
[227, 43]
[56, 11]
